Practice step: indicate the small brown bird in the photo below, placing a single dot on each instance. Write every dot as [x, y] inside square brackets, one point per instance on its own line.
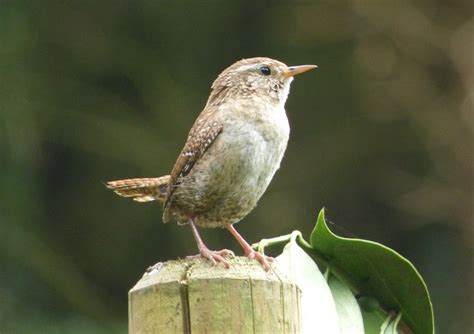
[232, 152]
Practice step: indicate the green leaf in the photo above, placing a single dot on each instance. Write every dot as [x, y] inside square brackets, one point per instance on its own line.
[318, 310]
[371, 269]
[348, 311]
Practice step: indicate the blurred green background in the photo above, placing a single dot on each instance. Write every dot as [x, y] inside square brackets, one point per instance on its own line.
[382, 136]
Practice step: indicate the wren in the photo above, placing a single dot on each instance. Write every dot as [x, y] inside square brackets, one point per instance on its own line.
[230, 156]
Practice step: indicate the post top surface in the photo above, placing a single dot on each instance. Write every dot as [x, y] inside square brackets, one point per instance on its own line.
[184, 270]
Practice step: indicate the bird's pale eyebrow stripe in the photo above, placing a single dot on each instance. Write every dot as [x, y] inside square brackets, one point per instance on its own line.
[247, 67]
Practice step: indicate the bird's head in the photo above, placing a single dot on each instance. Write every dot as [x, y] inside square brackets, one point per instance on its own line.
[260, 77]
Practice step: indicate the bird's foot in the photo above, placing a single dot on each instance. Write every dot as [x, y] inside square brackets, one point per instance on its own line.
[262, 258]
[214, 256]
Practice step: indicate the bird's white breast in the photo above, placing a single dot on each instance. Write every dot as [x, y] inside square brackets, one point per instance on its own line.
[250, 149]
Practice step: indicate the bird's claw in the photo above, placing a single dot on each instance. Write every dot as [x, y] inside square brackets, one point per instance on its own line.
[262, 258]
[215, 256]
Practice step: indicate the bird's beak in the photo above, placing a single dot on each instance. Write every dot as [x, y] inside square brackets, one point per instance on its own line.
[294, 70]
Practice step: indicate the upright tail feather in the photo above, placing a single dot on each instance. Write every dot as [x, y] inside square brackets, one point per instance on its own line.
[141, 190]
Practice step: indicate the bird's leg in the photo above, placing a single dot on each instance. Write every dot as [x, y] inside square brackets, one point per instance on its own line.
[249, 252]
[213, 256]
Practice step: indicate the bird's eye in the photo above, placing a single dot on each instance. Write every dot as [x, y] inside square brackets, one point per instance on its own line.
[265, 70]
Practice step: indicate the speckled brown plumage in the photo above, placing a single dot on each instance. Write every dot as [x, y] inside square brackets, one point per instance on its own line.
[201, 136]
[143, 189]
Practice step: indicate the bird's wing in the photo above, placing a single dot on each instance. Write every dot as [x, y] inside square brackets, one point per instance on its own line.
[202, 135]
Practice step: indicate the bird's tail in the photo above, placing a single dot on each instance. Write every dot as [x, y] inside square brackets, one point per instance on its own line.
[141, 190]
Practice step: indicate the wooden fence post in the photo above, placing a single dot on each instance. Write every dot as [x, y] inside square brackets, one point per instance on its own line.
[192, 296]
